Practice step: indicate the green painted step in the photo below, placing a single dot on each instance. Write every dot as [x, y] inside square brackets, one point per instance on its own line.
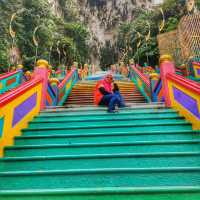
[151, 160]
[101, 178]
[99, 124]
[151, 127]
[98, 111]
[93, 108]
[103, 137]
[103, 114]
[106, 124]
[104, 148]
[91, 118]
[129, 193]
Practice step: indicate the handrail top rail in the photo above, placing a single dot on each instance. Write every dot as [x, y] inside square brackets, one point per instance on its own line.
[189, 84]
[196, 63]
[66, 78]
[6, 75]
[141, 75]
[7, 97]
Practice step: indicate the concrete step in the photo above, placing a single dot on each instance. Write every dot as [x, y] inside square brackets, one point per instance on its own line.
[100, 161]
[101, 178]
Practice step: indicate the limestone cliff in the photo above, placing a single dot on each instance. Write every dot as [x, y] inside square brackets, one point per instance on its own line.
[103, 17]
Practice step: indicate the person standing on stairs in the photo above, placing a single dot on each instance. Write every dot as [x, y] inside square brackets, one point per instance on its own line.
[107, 94]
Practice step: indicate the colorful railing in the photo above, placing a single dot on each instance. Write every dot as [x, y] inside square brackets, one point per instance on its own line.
[196, 69]
[52, 94]
[157, 91]
[180, 93]
[17, 108]
[185, 97]
[57, 92]
[66, 86]
[10, 80]
[141, 81]
[20, 105]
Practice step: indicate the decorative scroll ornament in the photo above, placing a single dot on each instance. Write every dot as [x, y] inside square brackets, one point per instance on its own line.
[13, 17]
[71, 4]
[148, 36]
[12, 32]
[50, 50]
[35, 41]
[139, 38]
[190, 5]
[162, 24]
[64, 52]
[58, 50]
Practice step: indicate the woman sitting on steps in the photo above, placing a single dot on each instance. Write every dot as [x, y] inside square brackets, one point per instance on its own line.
[107, 94]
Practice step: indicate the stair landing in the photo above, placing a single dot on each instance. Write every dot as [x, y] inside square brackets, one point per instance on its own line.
[83, 93]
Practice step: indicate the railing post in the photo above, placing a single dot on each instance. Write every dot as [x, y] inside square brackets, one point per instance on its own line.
[54, 82]
[20, 70]
[154, 77]
[166, 66]
[41, 70]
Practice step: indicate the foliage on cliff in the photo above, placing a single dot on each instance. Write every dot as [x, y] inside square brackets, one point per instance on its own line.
[148, 51]
[65, 36]
[108, 55]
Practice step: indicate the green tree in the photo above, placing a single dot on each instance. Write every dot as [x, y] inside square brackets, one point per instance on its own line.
[173, 10]
[108, 55]
[72, 36]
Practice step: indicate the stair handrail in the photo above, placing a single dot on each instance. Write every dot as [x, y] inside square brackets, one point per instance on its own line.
[66, 85]
[189, 84]
[180, 93]
[7, 74]
[20, 105]
[10, 80]
[66, 79]
[17, 108]
[141, 75]
[142, 82]
[8, 97]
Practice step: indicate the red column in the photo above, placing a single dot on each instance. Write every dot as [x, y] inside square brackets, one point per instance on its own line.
[166, 66]
[42, 71]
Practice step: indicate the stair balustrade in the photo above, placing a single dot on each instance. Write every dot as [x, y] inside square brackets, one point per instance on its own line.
[19, 106]
[66, 86]
[10, 80]
[180, 93]
[142, 82]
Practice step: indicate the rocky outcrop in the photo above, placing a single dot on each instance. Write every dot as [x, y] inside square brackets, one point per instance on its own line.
[103, 17]
[56, 8]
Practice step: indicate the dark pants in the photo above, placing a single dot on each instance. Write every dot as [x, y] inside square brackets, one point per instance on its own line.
[111, 100]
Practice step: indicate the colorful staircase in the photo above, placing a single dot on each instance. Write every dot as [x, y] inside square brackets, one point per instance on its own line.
[143, 152]
[83, 93]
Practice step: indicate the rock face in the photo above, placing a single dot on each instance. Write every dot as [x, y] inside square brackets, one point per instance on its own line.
[55, 6]
[103, 17]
